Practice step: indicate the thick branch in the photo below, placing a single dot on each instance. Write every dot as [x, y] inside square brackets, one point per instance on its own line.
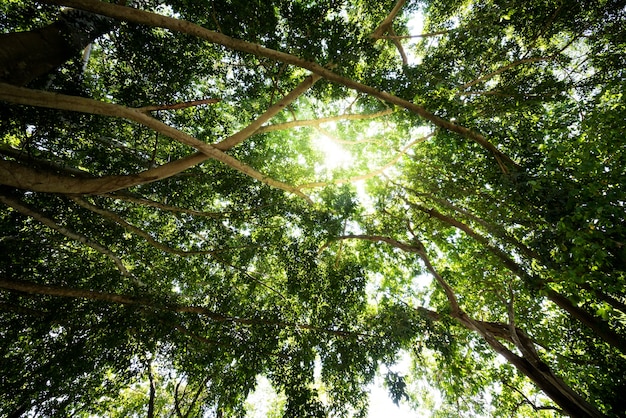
[387, 22]
[152, 393]
[538, 372]
[177, 25]
[272, 111]
[25, 96]
[598, 326]
[25, 56]
[44, 180]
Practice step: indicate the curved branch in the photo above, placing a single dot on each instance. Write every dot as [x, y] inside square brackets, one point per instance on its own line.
[317, 122]
[386, 23]
[500, 71]
[174, 106]
[38, 98]
[137, 231]
[128, 197]
[79, 293]
[398, 44]
[155, 20]
[591, 321]
[535, 369]
[45, 180]
[489, 227]
[272, 111]
[18, 206]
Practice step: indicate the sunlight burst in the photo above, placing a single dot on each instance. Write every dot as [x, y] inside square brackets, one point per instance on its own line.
[335, 156]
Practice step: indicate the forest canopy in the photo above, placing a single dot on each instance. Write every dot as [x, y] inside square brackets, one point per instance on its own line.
[175, 225]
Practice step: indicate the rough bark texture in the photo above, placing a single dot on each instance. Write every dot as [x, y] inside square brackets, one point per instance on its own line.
[25, 56]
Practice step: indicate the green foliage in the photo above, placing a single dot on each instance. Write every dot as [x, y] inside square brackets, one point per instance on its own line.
[192, 286]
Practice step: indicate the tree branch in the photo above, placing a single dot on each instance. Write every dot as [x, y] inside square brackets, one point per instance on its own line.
[155, 20]
[139, 232]
[317, 122]
[388, 21]
[152, 203]
[175, 106]
[371, 174]
[421, 35]
[23, 209]
[398, 44]
[152, 395]
[593, 322]
[38, 98]
[511, 65]
[538, 372]
[500, 71]
[272, 111]
[78, 293]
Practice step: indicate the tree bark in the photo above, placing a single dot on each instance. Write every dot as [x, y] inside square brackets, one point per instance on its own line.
[25, 56]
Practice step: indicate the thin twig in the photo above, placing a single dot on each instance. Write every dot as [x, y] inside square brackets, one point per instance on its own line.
[25, 210]
[371, 174]
[140, 232]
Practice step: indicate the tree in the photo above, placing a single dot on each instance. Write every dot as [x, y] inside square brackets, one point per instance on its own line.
[168, 221]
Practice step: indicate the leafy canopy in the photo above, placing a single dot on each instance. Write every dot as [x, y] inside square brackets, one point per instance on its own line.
[170, 231]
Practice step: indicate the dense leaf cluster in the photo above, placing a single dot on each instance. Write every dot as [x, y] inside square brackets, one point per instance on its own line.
[170, 230]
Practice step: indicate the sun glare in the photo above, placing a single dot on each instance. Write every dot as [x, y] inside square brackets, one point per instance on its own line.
[335, 156]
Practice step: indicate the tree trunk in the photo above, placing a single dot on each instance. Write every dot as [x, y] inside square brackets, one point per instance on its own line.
[25, 56]
[152, 395]
[21, 410]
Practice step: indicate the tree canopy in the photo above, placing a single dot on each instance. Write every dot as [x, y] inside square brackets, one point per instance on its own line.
[172, 227]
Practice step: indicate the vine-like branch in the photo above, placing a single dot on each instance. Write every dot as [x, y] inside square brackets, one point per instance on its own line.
[175, 106]
[138, 231]
[319, 121]
[78, 293]
[20, 176]
[152, 203]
